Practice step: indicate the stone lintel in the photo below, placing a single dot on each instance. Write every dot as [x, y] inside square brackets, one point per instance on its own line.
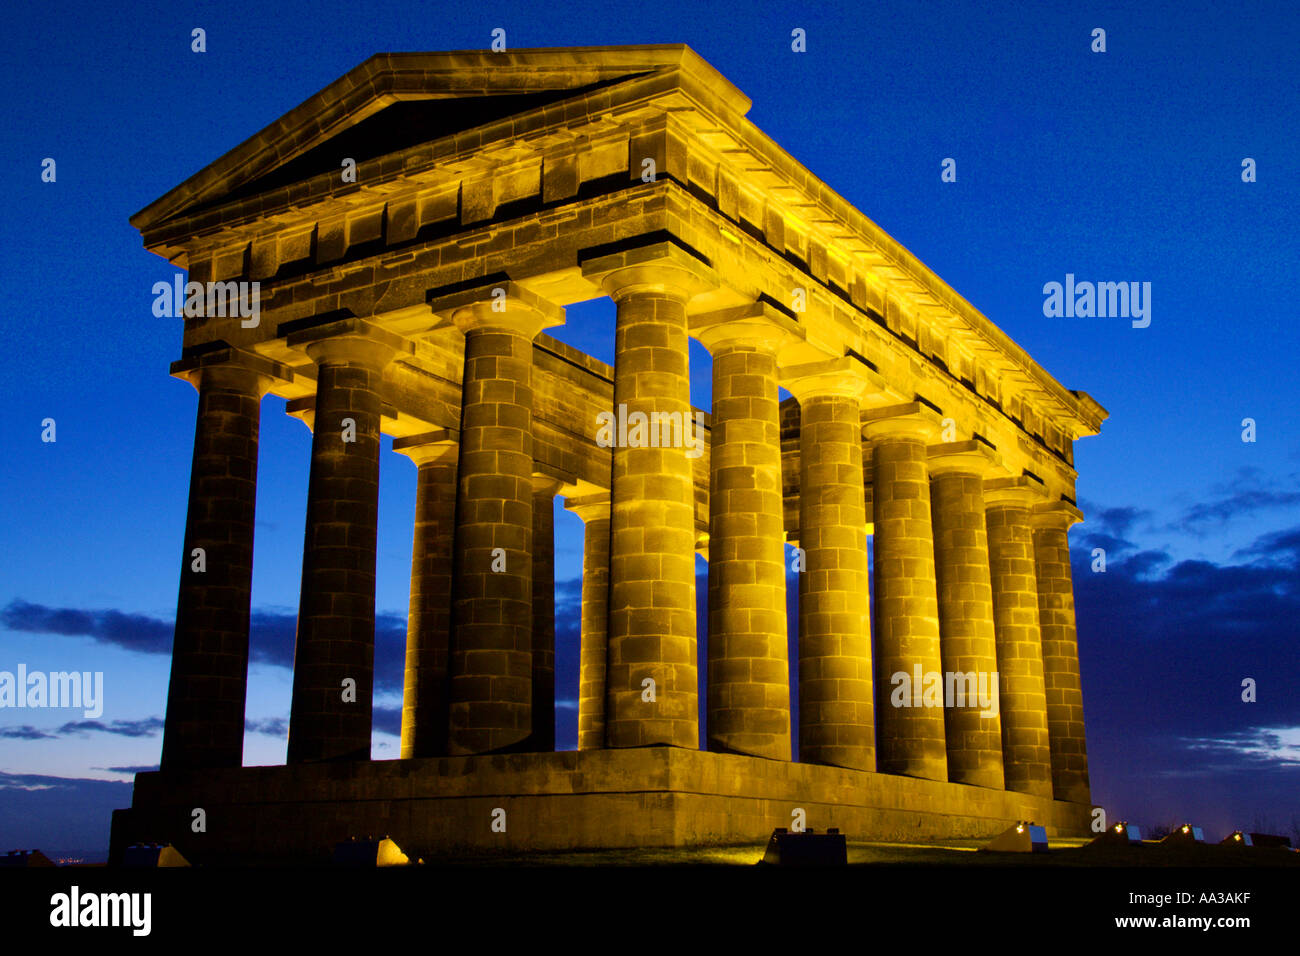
[1059, 515]
[962, 458]
[757, 325]
[662, 268]
[502, 304]
[845, 377]
[909, 420]
[1018, 492]
[232, 365]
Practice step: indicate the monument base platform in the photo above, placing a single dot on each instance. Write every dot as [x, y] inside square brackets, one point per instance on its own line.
[573, 800]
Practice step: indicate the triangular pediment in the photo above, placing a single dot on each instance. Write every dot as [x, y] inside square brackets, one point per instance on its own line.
[396, 100]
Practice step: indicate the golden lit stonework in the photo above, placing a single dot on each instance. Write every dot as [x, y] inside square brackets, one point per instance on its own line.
[393, 252]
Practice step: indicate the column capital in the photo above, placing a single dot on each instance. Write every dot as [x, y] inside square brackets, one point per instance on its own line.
[440, 445]
[963, 458]
[756, 326]
[593, 507]
[349, 341]
[230, 367]
[501, 305]
[702, 544]
[909, 420]
[843, 377]
[1057, 515]
[663, 268]
[1018, 492]
[544, 484]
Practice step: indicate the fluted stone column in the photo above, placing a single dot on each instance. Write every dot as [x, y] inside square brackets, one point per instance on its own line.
[545, 489]
[1061, 650]
[594, 512]
[836, 705]
[748, 693]
[428, 628]
[651, 677]
[333, 666]
[1026, 757]
[967, 641]
[205, 699]
[492, 624]
[910, 738]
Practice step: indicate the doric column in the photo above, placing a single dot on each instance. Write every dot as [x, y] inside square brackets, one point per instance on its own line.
[836, 723]
[334, 655]
[545, 489]
[967, 641]
[1060, 650]
[651, 677]
[594, 512]
[205, 699]
[492, 623]
[748, 689]
[428, 626]
[911, 736]
[1025, 755]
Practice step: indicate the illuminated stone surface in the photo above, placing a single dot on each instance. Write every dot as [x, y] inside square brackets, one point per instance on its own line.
[205, 707]
[425, 704]
[543, 661]
[492, 593]
[335, 647]
[1026, 755]
[748, 670]
[1060, 650]
[967, 641]
[594, 628]
[651, 682]
[492, 191]
[836, 724]
[563, 801]
[911, 738]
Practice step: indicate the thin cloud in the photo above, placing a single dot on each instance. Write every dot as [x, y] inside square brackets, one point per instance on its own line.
[1242, 503]
[273, 631]
[147, 727]
[1264, 746]
[133, 632]
[387, 720]
[1116, 521]
[271, 634]
[1165, 644]
[25, 732]
[1249, 491]
[140, 768]
[568, 595]
[1279, 548]
[277, 727]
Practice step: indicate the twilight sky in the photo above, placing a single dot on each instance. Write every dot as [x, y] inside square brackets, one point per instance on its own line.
[1116, 166]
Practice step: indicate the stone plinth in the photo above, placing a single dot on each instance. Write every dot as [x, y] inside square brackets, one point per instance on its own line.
[643, 797]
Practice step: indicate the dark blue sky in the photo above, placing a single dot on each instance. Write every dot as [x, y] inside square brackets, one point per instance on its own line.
[1122, 166]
